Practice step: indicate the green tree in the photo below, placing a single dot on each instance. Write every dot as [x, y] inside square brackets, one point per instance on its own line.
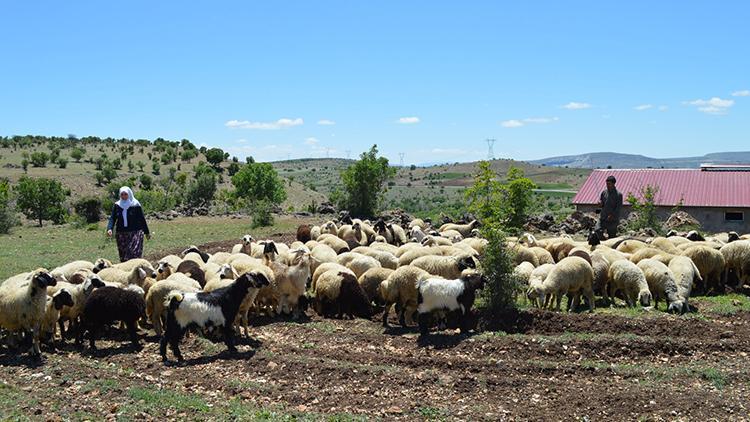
[77, 154]
[155, 168]
[89, 208]
[41, 199]
[214, 156]
[483, 195]
[146, 182]
[25, 165]
[258, 182]
[501, 288]
[364, 184]
[140, 165]
[39, 159]
[7, 214]
[131, 166]
[201, 190]
[62, 162]
[233, 168]
[518, 193]
[645, 209]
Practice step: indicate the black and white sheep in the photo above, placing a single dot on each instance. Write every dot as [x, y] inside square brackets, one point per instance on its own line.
[338, 293]
[206, 311]
[455, 297]
[107, 305]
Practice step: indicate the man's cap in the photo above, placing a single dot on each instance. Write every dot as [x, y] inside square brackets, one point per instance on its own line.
[611, 179]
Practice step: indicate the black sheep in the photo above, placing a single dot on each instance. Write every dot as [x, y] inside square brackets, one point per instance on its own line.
[107, 305]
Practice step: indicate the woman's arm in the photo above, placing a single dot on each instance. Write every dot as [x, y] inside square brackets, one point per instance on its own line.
[143, 220]
[112, 218]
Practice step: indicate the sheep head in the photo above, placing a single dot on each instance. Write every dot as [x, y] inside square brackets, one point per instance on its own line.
[101, 264]
[645, 298]
[466, 262]
[253, 279]
[62, 298]
[42, 278]
[247, 239]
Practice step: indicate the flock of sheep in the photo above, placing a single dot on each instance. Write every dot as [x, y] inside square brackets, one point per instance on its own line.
[353, 268]
[639, 271]
[341, 268]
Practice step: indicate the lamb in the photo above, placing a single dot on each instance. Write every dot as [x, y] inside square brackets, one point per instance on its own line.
[329, 227]
[193, 257]
[417, 222]
[370, 282]
[401, 288]
[116, 277]
[572, 276]
[737, 258]
[23, 301]
[65, 272]
[109, 304]
[710, 264]
[339, 294]
[314, 232]
[464, 229]
[194, 270]
[207, 311]
[661, 283]
[79, 294]
[455, 296]
[685, 273]
[447, 267]
[626, 277]
[155, 297]
[48, 328]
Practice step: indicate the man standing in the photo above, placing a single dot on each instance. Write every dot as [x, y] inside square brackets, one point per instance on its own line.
[610, 202]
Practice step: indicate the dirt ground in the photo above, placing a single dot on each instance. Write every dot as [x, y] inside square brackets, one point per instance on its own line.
[550, 366]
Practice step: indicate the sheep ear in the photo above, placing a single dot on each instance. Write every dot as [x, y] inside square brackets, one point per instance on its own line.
[141, 273]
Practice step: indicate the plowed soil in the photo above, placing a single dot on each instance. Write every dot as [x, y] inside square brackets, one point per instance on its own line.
[546, 366]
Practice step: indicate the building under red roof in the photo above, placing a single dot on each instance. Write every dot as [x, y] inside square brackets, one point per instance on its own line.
[718, 196]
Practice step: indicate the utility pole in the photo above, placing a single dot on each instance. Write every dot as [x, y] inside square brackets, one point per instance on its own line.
[348, 153]
[490, 150]
[401, 159]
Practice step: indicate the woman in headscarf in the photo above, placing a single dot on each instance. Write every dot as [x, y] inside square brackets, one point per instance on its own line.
[130, 225]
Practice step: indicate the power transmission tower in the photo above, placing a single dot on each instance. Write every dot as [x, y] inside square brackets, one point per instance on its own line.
[348, 153]
[490, 150]
[328, 153]
[401, 159]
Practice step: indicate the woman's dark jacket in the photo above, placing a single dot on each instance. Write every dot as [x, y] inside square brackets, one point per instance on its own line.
[136, 220]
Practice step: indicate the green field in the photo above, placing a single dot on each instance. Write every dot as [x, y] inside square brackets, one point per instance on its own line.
[30, 247]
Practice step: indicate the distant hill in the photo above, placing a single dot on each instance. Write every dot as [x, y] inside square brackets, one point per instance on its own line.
[617, 160]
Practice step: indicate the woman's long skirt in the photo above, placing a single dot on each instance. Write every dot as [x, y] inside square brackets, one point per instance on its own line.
[130, 245]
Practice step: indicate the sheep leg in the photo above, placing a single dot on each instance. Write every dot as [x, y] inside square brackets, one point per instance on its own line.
[93, 331]
[35, 334]
[245, 326]
[386, 311]
[156, 322]
[590, 298]
[559, 300]
[133, 332]
[229, 338]
[61, 323]
[424, 324]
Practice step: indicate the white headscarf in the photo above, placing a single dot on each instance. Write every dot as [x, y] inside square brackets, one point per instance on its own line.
[130, 202]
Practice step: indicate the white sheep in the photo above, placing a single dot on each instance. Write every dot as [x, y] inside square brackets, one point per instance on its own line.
[572, 276]
[370, 282]
[685, 273]
[523, 271]
[23, 301]
[710, 263]
[65, 272]
[401, 288]
[118, 278]
[661, 283]
[386, 259]
[448, 267]
[360, 264]
[626, 277]
[737, 257]
[536, 278]
[136, 263]
[463, 229]
[409, 257]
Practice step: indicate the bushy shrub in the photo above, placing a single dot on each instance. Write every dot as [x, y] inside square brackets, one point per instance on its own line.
[146, 182]
[156, 200]
[62, 162]
[41, 199]
[39, 159]
[89, 208]
[201, 190]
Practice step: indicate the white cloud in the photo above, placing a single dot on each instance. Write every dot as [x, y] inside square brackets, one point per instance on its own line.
[311, 141]
[242, 141]
[326, 122]
[643, 107]
[512, 123]
[576, 106]
[743, 93]
[530, 120]
[408, 120]
[278, 124]
[715, 105]
[663, 108]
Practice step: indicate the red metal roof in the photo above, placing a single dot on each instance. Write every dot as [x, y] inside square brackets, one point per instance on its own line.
[695, 187]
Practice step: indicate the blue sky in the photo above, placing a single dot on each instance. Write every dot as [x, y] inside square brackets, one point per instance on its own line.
[429, 79]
